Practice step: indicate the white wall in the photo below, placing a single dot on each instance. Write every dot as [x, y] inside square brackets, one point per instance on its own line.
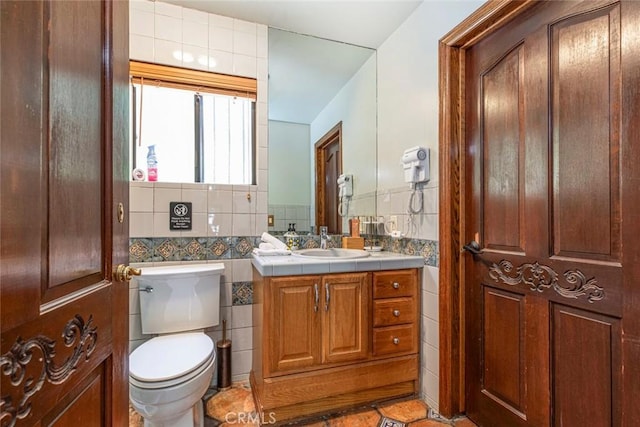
[408, 116]
[219, 44]
[355, 106]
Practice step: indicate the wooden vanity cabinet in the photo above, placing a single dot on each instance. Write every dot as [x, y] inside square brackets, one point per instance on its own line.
[317, 320]
[332, 341]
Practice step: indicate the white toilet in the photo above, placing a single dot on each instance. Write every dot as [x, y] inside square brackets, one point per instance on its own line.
[169, 374]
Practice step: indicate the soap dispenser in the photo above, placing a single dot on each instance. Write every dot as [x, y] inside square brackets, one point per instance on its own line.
[291, 238]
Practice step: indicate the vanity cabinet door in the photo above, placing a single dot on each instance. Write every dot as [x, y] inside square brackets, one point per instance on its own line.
[346, 328]
[294, 315]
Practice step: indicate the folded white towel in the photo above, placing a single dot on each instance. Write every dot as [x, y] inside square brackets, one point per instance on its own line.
[266, 237]
[265, 245]
[271, 252]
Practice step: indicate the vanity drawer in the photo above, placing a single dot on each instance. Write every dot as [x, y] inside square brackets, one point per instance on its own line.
[393, 311]
[395, 339]
[391, 284]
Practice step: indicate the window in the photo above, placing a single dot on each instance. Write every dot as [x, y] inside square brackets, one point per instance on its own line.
[200, 126]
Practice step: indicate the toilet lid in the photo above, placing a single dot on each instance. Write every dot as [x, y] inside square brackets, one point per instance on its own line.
[169, 356]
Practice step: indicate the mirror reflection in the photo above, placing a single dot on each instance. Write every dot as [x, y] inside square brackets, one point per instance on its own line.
[322, 125]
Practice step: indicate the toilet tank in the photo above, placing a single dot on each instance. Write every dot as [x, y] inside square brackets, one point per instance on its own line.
[179, 298]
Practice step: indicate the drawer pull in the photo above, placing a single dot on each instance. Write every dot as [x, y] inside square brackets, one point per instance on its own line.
[396, 313]
[396, 340]
[396, 285]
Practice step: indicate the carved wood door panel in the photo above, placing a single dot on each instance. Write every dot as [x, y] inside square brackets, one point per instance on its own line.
[64, 318]
[544, 169]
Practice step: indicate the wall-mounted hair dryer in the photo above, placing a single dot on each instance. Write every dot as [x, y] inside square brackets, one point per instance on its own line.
[345, 191]
[416, 164]
[345, 185]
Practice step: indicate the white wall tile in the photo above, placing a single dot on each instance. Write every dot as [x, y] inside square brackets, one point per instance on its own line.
[162, 197]
[241, 362]
[262, 202]
[240, 202]
[244, 65]
[220, 201]
[195, 34]
[167, 52]
[242, 271]
[245, 26]
[430, 279]
[141, 224]
[221, 39]
[431, 357]
[199, 226]
[198, 199]
[220, 61]
[262, 135]
[431, 331]
[241, 225]
[161, 225]
[168, 10]
[242, 338]
[195, 16]
[140, 199]
[141, 22]
[244, 43]
[242, 316]
[220, 21]
[226, 294]
[262, 44]
[261, 224]
[224, 222]
[168, 28]
[430, 305]
[141, 48]
[263, 180]
[144, 5]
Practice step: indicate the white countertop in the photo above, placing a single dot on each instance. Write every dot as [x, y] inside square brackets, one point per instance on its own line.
[290, 265]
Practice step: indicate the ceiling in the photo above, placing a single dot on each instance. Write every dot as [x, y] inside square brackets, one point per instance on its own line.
[297, 95]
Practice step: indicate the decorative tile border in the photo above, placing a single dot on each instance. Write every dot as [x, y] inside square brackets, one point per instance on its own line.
[239, 247]
[242, 293]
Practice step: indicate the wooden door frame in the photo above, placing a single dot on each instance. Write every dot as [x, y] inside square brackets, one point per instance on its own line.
[327, 138]
[451, 59]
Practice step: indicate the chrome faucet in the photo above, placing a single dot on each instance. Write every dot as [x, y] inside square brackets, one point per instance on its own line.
[324, 237]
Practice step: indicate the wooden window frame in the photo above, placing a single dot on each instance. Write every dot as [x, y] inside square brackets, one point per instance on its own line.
[201, 81]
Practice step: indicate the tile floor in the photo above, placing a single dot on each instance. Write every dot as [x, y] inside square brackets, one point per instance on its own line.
[235, 407]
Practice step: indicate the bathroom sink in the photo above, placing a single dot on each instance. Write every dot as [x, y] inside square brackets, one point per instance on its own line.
[332, 253]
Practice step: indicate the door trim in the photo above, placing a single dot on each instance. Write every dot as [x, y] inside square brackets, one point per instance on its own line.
[320, 145]
[451, 55]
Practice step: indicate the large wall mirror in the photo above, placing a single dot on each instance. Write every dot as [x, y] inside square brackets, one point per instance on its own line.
[318, 87]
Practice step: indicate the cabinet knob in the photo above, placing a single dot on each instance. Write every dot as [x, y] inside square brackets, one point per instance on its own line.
[396, 285]
[396, 340]
[396, 313]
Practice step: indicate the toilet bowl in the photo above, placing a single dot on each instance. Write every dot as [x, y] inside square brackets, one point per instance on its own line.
[170, 373]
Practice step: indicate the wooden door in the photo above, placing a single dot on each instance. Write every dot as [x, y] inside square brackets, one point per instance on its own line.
[548, 126]
[346, 326]
[64, 319]
[294, 317]
[328, 169]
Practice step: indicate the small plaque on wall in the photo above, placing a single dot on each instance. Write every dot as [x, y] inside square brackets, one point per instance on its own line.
[180, 216]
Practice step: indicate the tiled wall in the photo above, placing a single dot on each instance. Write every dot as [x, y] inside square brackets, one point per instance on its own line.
[172, 35]
[236, 47]
[283, 215]
[423, 227]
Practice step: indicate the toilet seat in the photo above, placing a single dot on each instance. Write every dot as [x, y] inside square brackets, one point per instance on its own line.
[168, 360]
